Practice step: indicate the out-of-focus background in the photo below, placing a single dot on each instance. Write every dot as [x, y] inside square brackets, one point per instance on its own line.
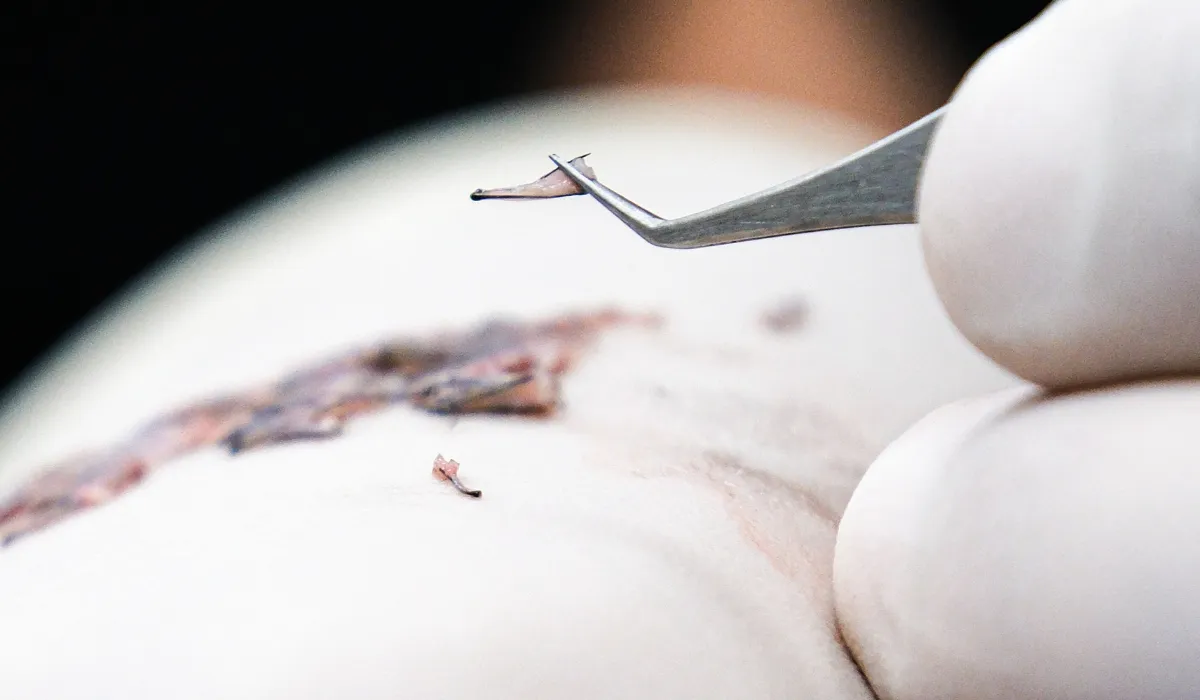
[128, 132]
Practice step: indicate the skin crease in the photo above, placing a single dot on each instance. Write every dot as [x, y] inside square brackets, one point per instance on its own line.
[1060, 204]
[1037, 543]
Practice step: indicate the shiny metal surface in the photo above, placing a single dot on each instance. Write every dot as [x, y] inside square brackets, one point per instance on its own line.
[876, 186]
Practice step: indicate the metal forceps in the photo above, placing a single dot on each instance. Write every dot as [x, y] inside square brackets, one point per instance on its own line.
[876, 186]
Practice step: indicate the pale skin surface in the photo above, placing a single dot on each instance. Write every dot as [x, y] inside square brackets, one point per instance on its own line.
[670, 535]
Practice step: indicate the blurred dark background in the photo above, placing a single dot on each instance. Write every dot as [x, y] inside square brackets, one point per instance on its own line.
[128, 132]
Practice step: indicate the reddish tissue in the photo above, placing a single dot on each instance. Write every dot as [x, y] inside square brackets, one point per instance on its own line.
[553, 184]
[500, 367]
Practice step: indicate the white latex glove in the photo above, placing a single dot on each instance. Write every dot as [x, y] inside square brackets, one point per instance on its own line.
[1060, 205]
[1033, 545]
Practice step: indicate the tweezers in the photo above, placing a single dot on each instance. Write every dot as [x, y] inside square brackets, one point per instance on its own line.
[874, 187]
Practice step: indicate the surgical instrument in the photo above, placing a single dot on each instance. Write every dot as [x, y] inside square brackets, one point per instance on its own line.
[876, 186]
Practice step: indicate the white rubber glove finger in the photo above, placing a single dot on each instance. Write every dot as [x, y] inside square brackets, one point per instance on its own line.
[1019, 547]
[1023, 547]
[1060, 206]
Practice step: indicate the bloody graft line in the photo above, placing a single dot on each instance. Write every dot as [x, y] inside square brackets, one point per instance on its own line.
[502, 366]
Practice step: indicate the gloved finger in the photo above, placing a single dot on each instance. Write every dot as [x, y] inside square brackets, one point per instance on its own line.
[1026, 545]
[1060, 204]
